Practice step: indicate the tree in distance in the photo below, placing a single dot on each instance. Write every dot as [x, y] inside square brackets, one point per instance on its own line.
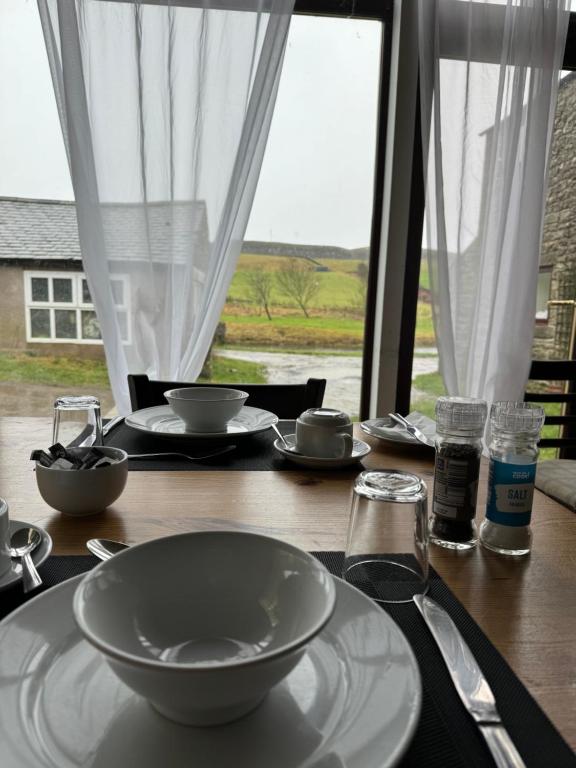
[360, 287]
[260, 283]
[299, 282]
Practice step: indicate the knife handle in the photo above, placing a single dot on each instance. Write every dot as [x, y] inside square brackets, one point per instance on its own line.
[501, 746]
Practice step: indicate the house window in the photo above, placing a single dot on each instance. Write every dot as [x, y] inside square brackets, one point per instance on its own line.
[543, 294]
[59, 308]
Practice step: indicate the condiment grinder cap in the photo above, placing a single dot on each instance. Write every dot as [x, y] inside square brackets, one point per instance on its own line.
[464, 416]
[516, 417]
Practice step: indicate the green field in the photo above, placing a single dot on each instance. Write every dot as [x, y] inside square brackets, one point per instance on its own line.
[336, 312]
[337, 287]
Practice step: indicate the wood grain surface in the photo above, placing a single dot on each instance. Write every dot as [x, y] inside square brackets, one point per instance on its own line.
[526, 606]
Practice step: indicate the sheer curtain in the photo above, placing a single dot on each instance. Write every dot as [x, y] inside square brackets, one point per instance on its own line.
[489, 75]
[165, 109]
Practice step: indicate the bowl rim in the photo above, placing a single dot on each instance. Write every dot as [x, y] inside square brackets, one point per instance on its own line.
[238, 394]
[153, 664]
[122, 460]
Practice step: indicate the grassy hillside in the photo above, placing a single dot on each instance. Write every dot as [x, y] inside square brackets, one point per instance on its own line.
[336, 313]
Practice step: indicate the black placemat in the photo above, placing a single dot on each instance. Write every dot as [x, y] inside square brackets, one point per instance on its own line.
[446, 736]
[254, 452]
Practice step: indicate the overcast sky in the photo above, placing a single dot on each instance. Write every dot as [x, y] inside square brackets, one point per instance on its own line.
[324, 122]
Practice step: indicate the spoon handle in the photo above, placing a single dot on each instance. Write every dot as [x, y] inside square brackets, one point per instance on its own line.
[30, 577]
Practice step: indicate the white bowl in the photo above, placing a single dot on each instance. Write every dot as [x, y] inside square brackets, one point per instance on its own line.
[204, 624]
[206, 409]
[84, 491]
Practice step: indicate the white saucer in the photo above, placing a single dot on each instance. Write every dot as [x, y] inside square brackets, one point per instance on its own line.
[359, 450]
[14, 574]
[354, 700]
[161, 421]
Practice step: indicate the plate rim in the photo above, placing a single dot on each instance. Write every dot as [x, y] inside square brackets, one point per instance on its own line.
[416, 694]
[198, 435]
[15, 578]
[409, 439]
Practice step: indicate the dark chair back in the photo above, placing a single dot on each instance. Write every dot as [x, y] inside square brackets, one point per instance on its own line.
[562, 371]
[287, 401]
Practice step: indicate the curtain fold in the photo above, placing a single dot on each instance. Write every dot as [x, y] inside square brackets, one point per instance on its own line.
[165, 110]
[489, 76]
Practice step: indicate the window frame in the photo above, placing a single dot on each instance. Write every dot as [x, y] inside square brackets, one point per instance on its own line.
[78, 305]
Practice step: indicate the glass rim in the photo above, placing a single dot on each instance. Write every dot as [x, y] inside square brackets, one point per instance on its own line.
[390, 485]
[76, 402]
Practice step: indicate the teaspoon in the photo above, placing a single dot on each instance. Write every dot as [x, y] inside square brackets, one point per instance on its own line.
[22, 542]
[291, 448]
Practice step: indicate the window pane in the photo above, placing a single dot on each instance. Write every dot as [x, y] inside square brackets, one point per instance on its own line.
[65, 323]
[298, 296]
[90, 327]
[118, 292]
[543, 294]
[86, 298]
[39, 289]
[62, 288]
[40, 323]
[123, 323]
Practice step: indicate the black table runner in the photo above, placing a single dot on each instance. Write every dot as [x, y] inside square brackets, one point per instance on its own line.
[253, 452]
[446, 736]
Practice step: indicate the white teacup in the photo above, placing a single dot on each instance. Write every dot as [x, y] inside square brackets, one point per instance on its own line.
[5, 559]
[325, 433]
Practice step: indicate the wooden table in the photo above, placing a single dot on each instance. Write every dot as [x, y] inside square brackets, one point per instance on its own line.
[526, 606]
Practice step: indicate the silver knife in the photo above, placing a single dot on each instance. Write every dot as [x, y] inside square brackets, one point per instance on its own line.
[111, 424]
[412, 430]
[470, 683]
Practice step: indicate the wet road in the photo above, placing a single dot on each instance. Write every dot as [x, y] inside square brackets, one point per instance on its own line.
[342, 372]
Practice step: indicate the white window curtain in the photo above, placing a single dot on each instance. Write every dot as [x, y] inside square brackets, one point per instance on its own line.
[489, 75]
[165, 108]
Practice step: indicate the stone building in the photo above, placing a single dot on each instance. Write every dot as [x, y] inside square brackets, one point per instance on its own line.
[46, 305]
[557, 282]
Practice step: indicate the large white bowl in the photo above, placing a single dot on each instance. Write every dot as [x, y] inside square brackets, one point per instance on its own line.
[204, 624]
[206, 409]
[84, 491]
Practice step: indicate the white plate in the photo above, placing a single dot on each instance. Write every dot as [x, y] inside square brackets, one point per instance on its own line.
[14, 574]
[354, 700]
[388, 430]
[359, 450]
[163, 422]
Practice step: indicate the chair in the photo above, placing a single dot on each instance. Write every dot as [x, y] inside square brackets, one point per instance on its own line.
[565, 371]
[287, 401]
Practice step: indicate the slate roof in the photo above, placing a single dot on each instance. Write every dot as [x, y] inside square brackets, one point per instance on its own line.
[47, 230]
[38, 229]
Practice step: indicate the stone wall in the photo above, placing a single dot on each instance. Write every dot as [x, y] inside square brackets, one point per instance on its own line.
[552, 339]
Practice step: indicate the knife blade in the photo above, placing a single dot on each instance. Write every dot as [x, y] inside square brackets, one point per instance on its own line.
[470, 683]
[412, 430]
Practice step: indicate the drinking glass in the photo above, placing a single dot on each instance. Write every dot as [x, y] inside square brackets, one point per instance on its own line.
[77, 420]
[387, 546]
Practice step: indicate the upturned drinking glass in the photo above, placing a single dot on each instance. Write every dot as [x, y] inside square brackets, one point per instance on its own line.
[77, 420]
[387, 546]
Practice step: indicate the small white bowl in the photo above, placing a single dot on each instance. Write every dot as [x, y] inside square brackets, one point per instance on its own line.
[84, 491]
[206, 409]
[204, 624]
